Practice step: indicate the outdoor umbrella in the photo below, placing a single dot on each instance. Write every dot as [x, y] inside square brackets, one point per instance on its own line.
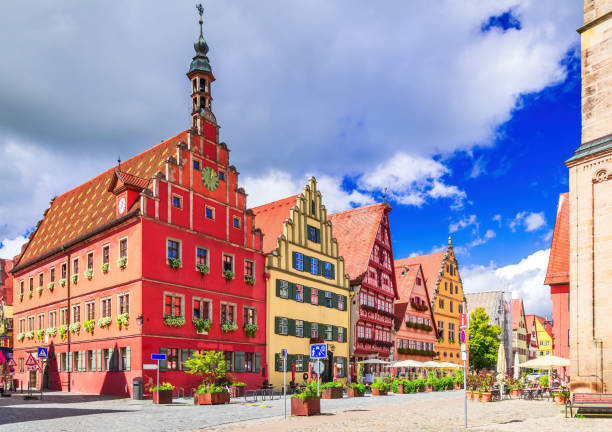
[450, 365]
[432, 365]
[546, 362]
[335, 371]
[293, 371]
[309, 371]
[374, 361]
[408, 364]
[516, 365]
[501, 362]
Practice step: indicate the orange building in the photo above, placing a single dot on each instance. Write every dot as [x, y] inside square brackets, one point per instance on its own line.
[415, 330]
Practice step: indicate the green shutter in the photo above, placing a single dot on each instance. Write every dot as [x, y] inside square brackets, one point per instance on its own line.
[306, 329]
[163, 364]
[291, 290]
[345, 302]
[345, 334]
[278, 285]
[257, 362]
[320, 267]
[238, 361]
[318, 234]
[184, 357]
[276, 362]
[293, 257]
[334, 333]
[277, 325]
[291, 325]
[306, 263]
[128, 359]
[59, 363]
[335, 298]
[69, 362]
[83, 366]
[333, 272]
[321, 297]
[99, 360]
[306, 294]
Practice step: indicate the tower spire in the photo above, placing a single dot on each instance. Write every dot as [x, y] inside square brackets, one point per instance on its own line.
[201, 11]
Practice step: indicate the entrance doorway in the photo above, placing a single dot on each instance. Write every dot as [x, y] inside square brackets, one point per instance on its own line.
[45, 377]
[32, 379]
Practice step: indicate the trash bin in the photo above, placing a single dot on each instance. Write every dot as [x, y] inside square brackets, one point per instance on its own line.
[137, 388]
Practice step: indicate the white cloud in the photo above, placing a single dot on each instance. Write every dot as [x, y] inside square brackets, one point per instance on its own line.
[478, 168]
[497, 218]
[9, 248]
[525, 279]
[490, 234]
[463, 223]
[529, 220]
[548, 236]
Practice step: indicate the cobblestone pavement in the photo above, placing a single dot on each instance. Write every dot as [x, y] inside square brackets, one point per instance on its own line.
[424, 411]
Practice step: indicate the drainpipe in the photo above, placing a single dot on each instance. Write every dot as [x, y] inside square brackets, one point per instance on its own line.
[68, 281]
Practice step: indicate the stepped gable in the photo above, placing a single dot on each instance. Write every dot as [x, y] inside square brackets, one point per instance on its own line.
[91, 205]
[270, 218]
[355, 230]
[431, 265]
[558, 261]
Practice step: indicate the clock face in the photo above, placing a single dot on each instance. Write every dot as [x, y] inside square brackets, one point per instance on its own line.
[210, 179]
[121, 205]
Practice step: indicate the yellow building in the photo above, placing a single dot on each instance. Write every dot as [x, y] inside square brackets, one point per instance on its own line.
[307, 288]
[445, 289]
[545, 339]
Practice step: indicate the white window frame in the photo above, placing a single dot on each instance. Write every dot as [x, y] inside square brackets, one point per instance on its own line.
[74, 306]
[74, 260]
[207, 207]
[207, 254]
[106, 245]
[127, 247]
[52, 322]
[223, 255]
[102, 300]
[41, 279]
[283, 324]
[180, 198]
[87, 260]
[252, 262]
[119, 295]
[173, 294]
[284, 289]
[180, 249]
[229, 304]
[203, 300]
[300, 327]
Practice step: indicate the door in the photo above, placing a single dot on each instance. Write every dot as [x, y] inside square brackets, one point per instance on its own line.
[46, 376]
[32, 379]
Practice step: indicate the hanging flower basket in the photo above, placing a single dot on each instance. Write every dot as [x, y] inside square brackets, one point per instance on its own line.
[123, 320]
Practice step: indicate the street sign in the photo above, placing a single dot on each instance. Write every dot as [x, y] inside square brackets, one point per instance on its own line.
[11, 362]
[318, 368]
[463, 347]
[149, 366]
[158, 356]
[462, 321]
[283, 352]
[318, 350]
[31, 361]
[462, 337]
[43, 353]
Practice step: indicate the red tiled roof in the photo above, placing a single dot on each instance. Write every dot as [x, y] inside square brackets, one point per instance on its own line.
[90, 205]
[270, 218]
[431, 265]
[558, 262]
[545, 325]
[399, 312]
[405, 282]
[355, 231]
[517, 310]
[529, 323]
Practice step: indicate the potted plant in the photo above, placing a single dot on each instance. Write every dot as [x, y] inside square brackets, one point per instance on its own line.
[544, 382]
[458, 380]
[238, 388]
[164, 390]
[104, 267]
[62, 282]
[20, 336]
[397, 386]
[39, 290]
[250, 280]
[419, 385]
[202, 269]
[355, 390]
[89, 326]
[40, 335]
[30, 335]
[202, 325]
[174, 263]
[307, 402]
[332, 390]
[563, 396]
[123, 320]
[122, 262]
[51, 331]
[75, 327]
[228, 275]
[89, 274]
[63, 331]
[486, 384]
[379, 388]
[250, 329]
[431, 381]
[74, 278]
[30, 293]
[21, 297]
[211, 366]
[229, 327]
[104, 322]
[50, 286]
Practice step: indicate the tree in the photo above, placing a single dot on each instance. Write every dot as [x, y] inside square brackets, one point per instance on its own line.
[210, 365]
[484, 341]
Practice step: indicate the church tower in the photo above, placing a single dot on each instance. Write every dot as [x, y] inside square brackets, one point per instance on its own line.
[590, 202]
[201, 77]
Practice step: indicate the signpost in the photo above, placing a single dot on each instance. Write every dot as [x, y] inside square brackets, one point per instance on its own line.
[158, 357]
[318, 351]
[31, 363]
[284, 356]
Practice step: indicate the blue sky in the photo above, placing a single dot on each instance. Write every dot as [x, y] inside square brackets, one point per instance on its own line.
[463, 112]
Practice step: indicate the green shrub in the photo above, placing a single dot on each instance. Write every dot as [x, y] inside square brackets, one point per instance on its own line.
[212, 388]
[332, 384]
[381, 385]
[309, 392]
[358, 387]
[162, 386]
[202, 325]
[123, 320]
[238, 384]
[419, 385]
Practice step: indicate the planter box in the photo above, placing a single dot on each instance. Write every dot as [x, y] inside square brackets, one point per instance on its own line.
[211, 398]
[515, 393]
[310, 406]
[238, 391]
[353, 393]
[377, 392]
[485, 397]
[165, 397]
[333, 393]
[400, 389]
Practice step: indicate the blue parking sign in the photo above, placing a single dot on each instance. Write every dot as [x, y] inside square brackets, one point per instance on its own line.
[318, 350]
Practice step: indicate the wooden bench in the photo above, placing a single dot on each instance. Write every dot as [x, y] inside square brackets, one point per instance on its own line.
[592, 402]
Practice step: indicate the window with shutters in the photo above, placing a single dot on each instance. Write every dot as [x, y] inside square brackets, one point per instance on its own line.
[327, 270]
[90, 263]
[228, 313]
[340, 334]
[341, 300]
[250, 315]
[123, 247]
[202, 308]
[90, 310]
[284, 289]
[106, 254]
[228, 262]
[249, 362]
[299, 261]
[105, 307]
[76, 313]
[314, 235]
[106, 360]
[173, 359]
[314, 296]
[314, 330]
[314, 266]
[173, 305]
[91, 360]
[328, 332]
[299, 293]
[64, 316]
[123, 359]
[123, 303]
[53, 318]
[283, 326]
[299, 328]
[328, 299]
[249, 268]
[299, 363]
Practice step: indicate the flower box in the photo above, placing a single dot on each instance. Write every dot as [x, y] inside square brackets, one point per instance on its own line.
[310, 406]
[332, 393]
[238, 391]
[211, 398]
[165, 397]
[351, 392]
[377, 392]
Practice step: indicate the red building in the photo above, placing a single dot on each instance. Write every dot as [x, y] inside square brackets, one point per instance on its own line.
[6, 315]
[557, 277]
[364, 239]
[415, 335]
[121, 266]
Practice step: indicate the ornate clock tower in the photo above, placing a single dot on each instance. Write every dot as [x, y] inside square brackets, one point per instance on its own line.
[201, 76]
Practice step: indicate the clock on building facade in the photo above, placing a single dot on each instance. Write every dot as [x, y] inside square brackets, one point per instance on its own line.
[210, 178]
